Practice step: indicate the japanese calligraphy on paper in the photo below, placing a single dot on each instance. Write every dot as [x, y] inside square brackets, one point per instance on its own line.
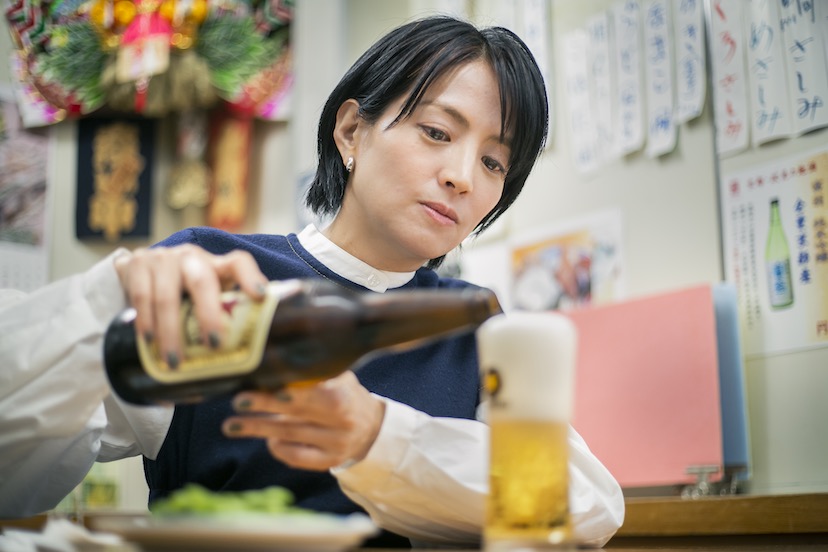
[797, 184]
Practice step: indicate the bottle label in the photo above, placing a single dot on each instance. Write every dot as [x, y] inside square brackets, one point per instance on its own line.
[779, 283]
[246, 325]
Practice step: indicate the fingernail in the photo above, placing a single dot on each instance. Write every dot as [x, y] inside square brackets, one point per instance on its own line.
[282, 396]
[172, 360]
[214, 340]
[261, 289]
[242, 404]
[148, 337]
[232, 427]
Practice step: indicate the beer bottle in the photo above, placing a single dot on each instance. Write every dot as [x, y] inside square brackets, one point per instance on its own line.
[778, 261]
[302, 331]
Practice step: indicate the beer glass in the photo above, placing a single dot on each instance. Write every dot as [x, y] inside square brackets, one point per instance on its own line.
[527, 361]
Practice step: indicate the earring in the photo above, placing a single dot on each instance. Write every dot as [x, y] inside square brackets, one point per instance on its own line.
[349, 166]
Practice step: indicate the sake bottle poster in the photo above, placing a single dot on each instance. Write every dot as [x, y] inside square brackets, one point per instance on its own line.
[114, 185]
[774, 224]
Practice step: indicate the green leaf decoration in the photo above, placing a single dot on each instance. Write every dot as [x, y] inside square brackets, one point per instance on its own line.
[75, 60]
[235, 50]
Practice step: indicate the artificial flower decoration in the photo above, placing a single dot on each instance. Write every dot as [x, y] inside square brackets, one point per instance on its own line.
[149, 57]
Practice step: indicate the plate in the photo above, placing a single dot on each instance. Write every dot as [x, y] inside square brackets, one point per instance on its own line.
[306, 532]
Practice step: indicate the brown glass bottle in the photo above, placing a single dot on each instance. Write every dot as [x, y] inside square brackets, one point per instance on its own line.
[306, 330]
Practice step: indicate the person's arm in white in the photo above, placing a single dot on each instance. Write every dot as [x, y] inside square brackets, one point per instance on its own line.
[427, 478]
[55, 401]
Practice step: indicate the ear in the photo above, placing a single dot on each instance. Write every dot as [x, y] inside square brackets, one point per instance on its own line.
[345, 131]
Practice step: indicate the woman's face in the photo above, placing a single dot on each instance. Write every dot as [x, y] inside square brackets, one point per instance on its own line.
[420, 187]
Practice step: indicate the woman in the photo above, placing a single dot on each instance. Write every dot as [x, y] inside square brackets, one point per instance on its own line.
[429, 137]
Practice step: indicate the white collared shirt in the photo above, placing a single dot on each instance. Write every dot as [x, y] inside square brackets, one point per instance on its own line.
[348, 266]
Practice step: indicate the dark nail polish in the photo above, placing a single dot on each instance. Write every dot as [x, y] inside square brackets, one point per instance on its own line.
[243, 404]
[214, 340]
[282, 396]
[172, 360]
[148, 337]
[233, 427]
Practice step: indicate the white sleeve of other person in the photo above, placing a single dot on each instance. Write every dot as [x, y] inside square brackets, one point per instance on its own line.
[427, 478]
[57, 414]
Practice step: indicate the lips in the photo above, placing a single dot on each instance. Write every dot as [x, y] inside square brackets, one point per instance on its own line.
[441, 211]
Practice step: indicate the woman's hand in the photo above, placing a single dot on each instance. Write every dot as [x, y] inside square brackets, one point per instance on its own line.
[154, 281]
[313, 427]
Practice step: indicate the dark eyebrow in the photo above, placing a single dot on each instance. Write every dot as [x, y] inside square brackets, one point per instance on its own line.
[461, 119]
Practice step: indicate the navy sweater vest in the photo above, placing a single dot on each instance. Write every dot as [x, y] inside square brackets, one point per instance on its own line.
[440, 379]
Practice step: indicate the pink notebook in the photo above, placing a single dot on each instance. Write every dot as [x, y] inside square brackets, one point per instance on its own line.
[647, 388]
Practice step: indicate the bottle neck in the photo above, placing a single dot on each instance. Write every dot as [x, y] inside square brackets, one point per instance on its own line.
[775, 219]
[423, 315]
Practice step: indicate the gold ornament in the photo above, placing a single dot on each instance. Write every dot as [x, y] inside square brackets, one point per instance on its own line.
[124, 12]
[189, 184]
[117, 163]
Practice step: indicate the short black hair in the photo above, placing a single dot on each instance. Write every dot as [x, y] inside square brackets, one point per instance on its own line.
[411, 58]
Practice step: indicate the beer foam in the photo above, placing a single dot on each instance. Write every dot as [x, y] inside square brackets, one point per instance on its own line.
[527, 361]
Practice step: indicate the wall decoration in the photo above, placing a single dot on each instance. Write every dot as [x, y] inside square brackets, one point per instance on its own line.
[573, 264]
[802, 35]
[579, 113]
[24, 202]
[151, 57]
[189, 179]
[658, 77]
[629, 100]
[602, 85]
[728, 66]
[567, 265]
[230, 137]
[775, 241]
[769, 104]
[114, 183]
[691, 81]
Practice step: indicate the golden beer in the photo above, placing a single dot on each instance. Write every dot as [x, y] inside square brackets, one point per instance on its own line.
[528, 483]
[528, 363]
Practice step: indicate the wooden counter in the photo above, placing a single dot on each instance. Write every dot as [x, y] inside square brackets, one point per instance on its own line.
[733, 523]
[736, 520]
[726, 515]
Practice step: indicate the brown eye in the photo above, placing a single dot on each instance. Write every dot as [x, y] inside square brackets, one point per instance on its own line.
[435, 134]
[494, 165]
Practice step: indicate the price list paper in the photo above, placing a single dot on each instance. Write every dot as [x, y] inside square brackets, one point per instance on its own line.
[658, 76]
[688, 22]
[775, 237]
[629, 90]
[729, 70]
[805, 62]
[770, 108]
[602, 83]
[581, 120]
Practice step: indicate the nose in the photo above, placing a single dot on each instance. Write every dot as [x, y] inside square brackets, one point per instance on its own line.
[458, 171]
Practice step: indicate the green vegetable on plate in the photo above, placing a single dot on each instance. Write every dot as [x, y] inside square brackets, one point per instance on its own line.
[195, 499]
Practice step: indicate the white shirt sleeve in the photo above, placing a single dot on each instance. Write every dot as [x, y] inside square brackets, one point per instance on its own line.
[426, 478]
[57, 414]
